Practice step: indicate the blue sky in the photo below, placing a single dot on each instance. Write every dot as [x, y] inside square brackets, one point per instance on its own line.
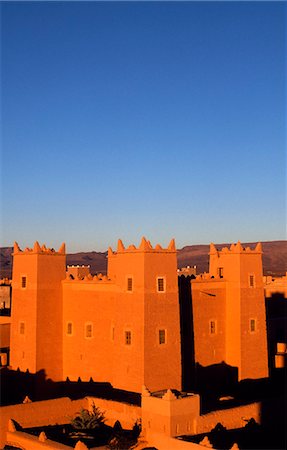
[123, 119]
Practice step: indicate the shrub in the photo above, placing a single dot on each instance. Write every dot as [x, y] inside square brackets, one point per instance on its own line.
[88, 420]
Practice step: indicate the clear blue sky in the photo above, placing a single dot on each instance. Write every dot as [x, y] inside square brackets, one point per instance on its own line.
[123, 119]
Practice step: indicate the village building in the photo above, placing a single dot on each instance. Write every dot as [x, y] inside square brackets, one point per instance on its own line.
[144, 327]
[125, 327]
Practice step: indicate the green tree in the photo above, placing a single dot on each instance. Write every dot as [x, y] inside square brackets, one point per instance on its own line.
[88, 420]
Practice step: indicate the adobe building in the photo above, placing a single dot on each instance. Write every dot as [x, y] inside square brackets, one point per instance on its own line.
[126, 327]
[122, 328]
[229, 320]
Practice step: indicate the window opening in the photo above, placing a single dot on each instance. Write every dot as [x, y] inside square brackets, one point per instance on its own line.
[252, 325]
[212, 327]
[69, 328]
[251, 280]
[161, 335]
[128, 337]
[89, 330]
[129, 284]
[23, 282]
[160, 285]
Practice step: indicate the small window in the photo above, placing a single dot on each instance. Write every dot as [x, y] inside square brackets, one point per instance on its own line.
[23, 282]
[128, 337]
[113, 333]
[161, 336]
[22, 328]
[252, 325]
[69, 328]
[129, 284]
[251, 281]
[89, 330]
[160, 284]
[212, 327]
[220, 272]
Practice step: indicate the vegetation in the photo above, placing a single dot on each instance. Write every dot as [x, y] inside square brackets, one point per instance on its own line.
[88, 420]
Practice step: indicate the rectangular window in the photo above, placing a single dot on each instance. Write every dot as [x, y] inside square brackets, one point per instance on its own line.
[23, 282]
[220, 272]
[22, 328]
[212, 327]
[160, 284]
[129, 284]
[113, 333]
[251, 281]
[252, 325]
[89, 330]
[161, 336]
[128, 337]
[69, 328]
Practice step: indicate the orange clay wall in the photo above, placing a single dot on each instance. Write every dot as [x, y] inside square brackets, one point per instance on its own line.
[147, 311]
[24, 309]
[51, 270]
[128, 317]
[38, 306]
[79, 327]
[35, 414]
[88, 303]
[254, 344]
[162, 362]
[5, 331]
[243, 303]
[209, 304]
[112, 310]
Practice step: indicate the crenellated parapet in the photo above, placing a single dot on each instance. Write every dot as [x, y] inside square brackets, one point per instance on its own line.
[145, 246]
[37, 249]
[99, 278]
[5, 281]
[206, 276]
[235, 248]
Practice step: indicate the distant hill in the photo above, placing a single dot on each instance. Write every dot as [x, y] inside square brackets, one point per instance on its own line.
[274, 258]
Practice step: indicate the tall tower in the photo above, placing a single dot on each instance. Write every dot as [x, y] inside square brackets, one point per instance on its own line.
[245, 318]
[147, 327]
[36, 322]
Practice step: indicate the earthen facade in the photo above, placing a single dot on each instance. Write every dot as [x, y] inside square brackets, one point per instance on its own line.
[124, 327]
[229, 317]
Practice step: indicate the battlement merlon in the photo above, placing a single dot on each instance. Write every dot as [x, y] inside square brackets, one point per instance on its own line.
[145, 246]
[99, 278]
[37, 249]
[235, 249]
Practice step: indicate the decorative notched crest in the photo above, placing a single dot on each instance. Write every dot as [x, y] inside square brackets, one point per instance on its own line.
[40, 250]
[212, 249]
[235, 248]
[205, 442]
[91, 279]
[16, 248]
[169, 396]
[80, 446]
[145, 246]
[145, 391]
[42, 436]
[121, 247]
